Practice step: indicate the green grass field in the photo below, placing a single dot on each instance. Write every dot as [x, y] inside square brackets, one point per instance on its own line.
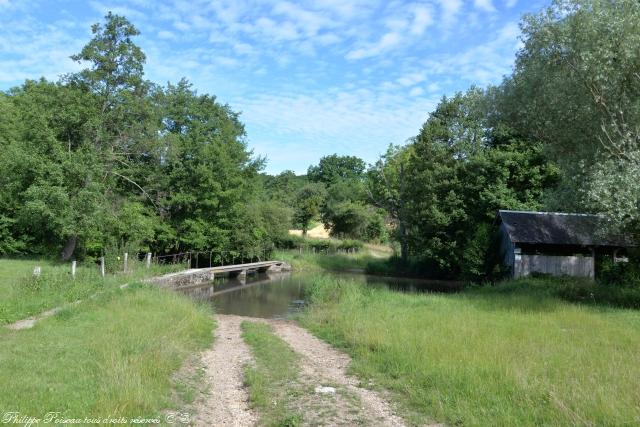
[22, 295]
[486, 357]
[112, 355]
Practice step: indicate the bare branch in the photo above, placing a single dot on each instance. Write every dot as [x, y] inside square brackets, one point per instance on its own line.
[139, 187]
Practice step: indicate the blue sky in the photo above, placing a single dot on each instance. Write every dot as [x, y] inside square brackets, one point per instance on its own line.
[311, 78]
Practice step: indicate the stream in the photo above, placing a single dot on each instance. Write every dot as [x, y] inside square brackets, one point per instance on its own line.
[279, 295]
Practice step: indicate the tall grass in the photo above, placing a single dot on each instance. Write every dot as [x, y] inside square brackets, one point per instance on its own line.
[482, 357]
[23, 295]
[110, 356]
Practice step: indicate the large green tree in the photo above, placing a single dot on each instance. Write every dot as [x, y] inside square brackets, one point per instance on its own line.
[452, 179]
[576, 87]
[210, 178]
[105, 160]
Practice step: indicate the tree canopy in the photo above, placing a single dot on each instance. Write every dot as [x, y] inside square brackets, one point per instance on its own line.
[105, 160]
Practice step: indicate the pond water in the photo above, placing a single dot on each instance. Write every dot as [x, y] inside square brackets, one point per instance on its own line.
[279, 295]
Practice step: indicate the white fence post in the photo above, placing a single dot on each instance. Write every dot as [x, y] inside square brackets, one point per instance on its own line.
[36, 271]
[126, 261]
[148, 259]
[102, 266]
[73, 269]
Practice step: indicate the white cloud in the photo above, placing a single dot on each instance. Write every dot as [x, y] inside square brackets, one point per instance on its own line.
[309, 22]
[411, 79]
[277, 30]
[181, 25]
[422, 19]
[450, 10]
[416, 91]
[357, 121]
[129, 12]
[485, 5]
[434, 87]
[481, 64]
[347, 9]
[385, 43]
[166, 35]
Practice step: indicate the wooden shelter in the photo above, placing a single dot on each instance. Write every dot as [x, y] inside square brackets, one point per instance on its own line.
[555, 243]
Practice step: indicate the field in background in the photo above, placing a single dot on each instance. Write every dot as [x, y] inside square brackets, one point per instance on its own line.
[316, 232]
[487, 356]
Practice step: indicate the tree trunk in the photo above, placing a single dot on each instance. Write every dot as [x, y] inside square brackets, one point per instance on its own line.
[404, 247]
[69, 248]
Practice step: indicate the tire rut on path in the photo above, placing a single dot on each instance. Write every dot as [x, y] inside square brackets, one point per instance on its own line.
[227, 403]
[321, 361]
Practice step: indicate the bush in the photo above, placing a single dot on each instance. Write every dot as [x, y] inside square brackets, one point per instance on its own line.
[575, 289]
[412, 267]
[318, 245]
[351, 245]
[621, 274]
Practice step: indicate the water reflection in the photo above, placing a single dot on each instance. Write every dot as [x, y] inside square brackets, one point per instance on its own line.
[270, 296]
[279, 295]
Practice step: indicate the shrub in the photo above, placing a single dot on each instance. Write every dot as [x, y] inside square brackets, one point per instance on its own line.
[318, 245]
[621, 274]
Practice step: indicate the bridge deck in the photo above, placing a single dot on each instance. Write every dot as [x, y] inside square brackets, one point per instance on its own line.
[240, 267]
[196, 276]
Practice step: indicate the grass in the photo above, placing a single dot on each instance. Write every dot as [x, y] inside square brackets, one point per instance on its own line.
[489, 356]
[270, 380]
[310, 262]
[113, 355]
[23, 295]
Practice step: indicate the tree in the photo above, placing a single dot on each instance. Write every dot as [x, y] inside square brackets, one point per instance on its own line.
[334, 168]
[120, 125]
[447, 185]
[211, 175]
[387, 189]
[308, 202]
[53, 181]
[576, 88]
[283, 187]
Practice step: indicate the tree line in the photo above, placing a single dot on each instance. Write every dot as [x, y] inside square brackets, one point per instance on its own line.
[560, 133]
[105, 159]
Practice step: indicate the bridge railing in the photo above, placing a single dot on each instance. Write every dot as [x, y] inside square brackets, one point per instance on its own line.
[205, 259]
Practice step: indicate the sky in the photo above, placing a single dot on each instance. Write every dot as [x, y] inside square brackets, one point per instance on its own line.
[310, 78]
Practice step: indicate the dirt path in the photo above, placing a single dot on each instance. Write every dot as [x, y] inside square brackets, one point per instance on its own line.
[227, 404]
[321, 366]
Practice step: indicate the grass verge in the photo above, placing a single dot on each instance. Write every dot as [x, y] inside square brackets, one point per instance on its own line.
[270, 380]
[23, 295]
[110, 356]
[310, 262]
[487, 356]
